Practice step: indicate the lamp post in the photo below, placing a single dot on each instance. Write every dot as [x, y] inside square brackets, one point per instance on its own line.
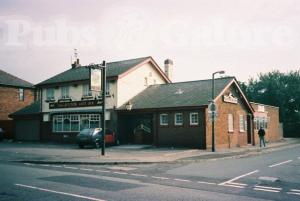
[213, 112]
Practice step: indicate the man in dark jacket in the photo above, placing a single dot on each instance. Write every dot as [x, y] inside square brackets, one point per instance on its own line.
[261, 134]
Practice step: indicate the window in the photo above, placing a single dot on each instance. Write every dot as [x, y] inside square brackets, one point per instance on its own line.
[178, 119]
[242, 123]
[94, 121]
[154, 81]
[261, 122]
[50, 94]
[146, 81]
[230, 123]
[75, 122]
[194, 118]
[107, 92]
[65, 92]
[164, 121]
[21, 94]
[86, 90]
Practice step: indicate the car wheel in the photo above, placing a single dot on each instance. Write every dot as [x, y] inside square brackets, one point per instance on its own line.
[80, 146]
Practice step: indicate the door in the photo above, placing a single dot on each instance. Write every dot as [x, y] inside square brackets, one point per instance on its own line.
[27, 130]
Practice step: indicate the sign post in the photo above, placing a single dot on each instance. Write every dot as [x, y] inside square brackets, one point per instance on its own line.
[98, 84]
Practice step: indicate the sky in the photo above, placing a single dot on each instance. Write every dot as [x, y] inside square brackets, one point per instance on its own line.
[241, 37]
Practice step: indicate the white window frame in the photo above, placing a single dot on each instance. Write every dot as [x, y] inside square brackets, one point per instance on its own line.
[65, 92]
[241, 123]
[230, 123]
[161, 119]
[107, 90]
[175, 119]
[196, 118]
[50, 94]
[146, 81]
[21, 94]
[86, 92]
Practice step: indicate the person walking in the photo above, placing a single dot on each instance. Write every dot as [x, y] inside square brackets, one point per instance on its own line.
[261, 134]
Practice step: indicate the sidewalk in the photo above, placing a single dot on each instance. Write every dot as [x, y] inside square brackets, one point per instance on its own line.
[124, 154]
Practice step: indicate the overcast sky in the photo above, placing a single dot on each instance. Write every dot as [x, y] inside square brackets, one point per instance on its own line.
[242, 37]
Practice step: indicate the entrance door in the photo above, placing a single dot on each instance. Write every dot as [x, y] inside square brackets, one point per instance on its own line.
[136, 129]
[249, 129]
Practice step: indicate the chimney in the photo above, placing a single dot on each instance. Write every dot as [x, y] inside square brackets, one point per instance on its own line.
[169, 68]
[76, 63]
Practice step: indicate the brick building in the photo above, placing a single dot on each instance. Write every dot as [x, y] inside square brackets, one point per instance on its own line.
[176, 114]
[267, 116]
[15, 94]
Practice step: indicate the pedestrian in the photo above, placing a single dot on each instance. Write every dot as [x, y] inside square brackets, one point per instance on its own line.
[261, 134]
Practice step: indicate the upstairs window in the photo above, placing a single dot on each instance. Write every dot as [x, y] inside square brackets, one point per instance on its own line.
[21, 94]
[178, 119]
[65, 92]
[50, 94]
[194, 118]
[164, 119]
[146, 81]
[86, 90]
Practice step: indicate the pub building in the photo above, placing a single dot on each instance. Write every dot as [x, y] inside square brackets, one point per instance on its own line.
[145, 107]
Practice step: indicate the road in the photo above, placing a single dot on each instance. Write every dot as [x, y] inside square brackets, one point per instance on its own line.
[272, 176]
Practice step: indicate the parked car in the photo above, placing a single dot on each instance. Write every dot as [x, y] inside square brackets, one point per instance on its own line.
[1, 134]
[93, 136]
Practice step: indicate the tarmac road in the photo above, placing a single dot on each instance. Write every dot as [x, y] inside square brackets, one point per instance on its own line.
[251, 178]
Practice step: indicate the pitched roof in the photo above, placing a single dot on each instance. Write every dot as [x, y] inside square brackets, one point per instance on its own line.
[10, 80]
[81, 73]
[31, 109]
[182, 94]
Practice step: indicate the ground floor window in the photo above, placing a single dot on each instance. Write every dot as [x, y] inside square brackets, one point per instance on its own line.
[242, 123]
[163, 118]
[178, 119]
[194, 118]
[230, 123]
[261, 122]
[75, 122]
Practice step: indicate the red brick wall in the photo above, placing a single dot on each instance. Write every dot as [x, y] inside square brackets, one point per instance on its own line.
[273, 132]
[9, 100]
[223, 138]
[9, 103]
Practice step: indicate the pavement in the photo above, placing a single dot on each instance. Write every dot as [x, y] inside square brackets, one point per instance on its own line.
[125, 154]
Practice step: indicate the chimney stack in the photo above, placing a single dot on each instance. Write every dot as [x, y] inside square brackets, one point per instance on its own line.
[76, 62]
[169, 68]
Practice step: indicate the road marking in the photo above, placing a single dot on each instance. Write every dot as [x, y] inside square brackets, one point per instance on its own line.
[293, 193]
[59, 192]
[239, 184]
[231, 185]
[105, 171]
[120, 173]
[86, 169]
[298, 157]
[296, 190]
[57, 166]
[236, 178]
[45, 165]
[267, 187]
[163, 178]
[204, 182]
[29, 164]
[139, 175]
[69, 167]
[267, 190]
[183, 180]
[284, 162]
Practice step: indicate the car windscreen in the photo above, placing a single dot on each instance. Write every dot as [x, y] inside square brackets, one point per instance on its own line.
[86, 131]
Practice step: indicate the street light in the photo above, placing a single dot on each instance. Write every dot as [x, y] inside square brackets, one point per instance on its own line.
[213, 112]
